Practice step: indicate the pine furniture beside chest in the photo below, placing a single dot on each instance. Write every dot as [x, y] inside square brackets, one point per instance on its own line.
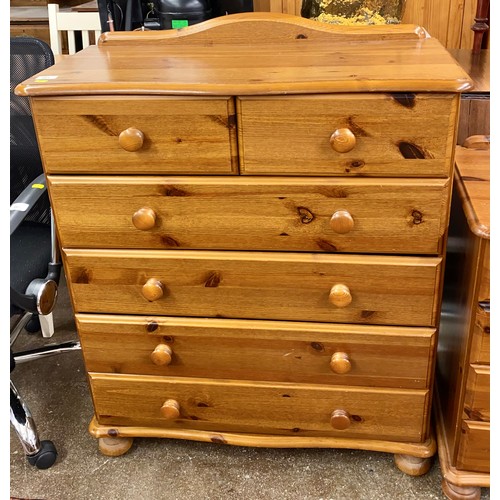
[252, 214]
[463, 364]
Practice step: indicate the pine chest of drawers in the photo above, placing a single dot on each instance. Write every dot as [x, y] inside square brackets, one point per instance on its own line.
[463, 364]
[252, 214]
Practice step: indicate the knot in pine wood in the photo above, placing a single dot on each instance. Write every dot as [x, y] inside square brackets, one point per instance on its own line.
[306, 216]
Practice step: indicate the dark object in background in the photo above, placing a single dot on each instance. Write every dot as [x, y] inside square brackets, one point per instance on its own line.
[128, 15]
[224, 7]
[174, 14]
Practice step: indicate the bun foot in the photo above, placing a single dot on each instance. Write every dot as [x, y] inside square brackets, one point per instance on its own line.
[114, 447]
[413, 466]
[454, 492]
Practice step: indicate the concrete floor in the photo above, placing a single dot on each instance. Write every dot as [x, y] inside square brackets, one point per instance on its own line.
[57, 394]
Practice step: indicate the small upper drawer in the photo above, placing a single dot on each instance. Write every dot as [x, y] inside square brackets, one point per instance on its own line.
[402, 135]
[338, 215]
[136, 134]
[316, 353]
[256, 285]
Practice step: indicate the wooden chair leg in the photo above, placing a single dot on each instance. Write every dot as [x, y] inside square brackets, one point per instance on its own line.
[480, 26]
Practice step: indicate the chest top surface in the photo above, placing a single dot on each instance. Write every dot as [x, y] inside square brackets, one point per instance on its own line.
[256, 54]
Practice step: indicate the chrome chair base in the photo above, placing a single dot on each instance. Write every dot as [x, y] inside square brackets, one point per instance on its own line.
[41, 454]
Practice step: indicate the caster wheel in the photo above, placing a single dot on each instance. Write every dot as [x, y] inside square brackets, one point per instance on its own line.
[45, 457]
[114, 447]
[413, 466]
[33, 325]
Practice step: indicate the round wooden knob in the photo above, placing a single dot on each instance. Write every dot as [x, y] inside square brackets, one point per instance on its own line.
[341, 221]
[340, 295]
[342, 140]
[131, 139]
[340, 363]
[162, 355]
[153, 289]
[171, 409]
[340, 420]
[144, 219]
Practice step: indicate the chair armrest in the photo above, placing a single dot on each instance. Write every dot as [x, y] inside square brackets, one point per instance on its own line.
[25, 201]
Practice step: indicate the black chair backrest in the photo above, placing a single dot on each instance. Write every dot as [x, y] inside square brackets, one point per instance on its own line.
[28, 56]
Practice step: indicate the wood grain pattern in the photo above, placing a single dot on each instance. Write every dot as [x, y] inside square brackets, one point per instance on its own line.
[473, 184]
[260, 28]
[388, 216]
[426, 448]
[477, 66]
[281, 409]
[464, 387]
[467, 35]
[484, 285]
[480, 347]
[252, 314]
[273, 141]
[477, 394]
[181, 135]
[455, 23]
[238, 55]
[258, 350]
[474, 452]
[474, 118]
[280, 286]
[461, 278]
[450, 473]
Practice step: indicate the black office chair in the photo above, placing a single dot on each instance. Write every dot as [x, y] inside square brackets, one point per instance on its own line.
[35, 265]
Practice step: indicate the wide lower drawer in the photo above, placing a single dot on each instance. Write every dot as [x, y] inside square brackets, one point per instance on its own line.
[398, 135]
[114, 134]
[372, 356]
[308, 410]
[315, 214]
[256, 285]
[474, 448]
[477, 395]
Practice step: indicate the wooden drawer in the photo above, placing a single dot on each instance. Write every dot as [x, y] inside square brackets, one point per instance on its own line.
[224, 405]
[480, 347]
[484, 285]
[395, 216]
[477, 395]
[256, 285]
[180, 134]
[313, 353]
[474, 448]
[397, 135]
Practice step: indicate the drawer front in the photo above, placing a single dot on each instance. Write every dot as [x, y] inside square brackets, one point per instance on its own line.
[256, 285]
[480, 348]
[283, 409]
[397, 135]
[356, 215]
[477, 395]
[136, 134]
[258, 350]
[484, 285]
[474, 448]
